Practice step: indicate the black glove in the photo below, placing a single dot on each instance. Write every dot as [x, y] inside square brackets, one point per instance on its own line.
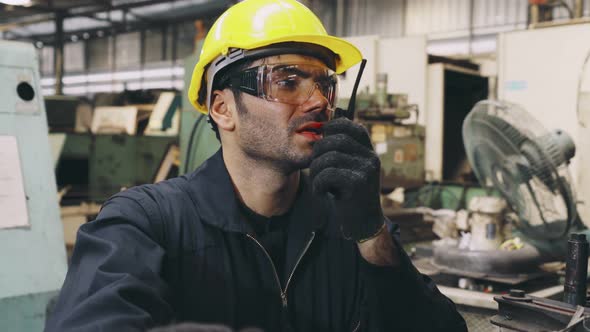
[345, 165]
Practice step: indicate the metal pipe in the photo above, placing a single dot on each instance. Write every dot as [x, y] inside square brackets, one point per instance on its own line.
[578, 8]
[164, 43]
[58, 53]
[339, 18]
[471, 22]
[534, 14]
[404, 14]
[142, 38]
[174, 41]
[576, 270]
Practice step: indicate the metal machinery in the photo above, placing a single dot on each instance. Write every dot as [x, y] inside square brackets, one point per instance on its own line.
[92, 166]
[197, 140]
[126, 139]
[518, 311]
[33, 259]
[95, 167]
[539, 69]
[398, 142]
[502, 248]
[510, 152]
[527, 62]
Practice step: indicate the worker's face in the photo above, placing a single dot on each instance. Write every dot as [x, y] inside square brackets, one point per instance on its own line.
[281, 133]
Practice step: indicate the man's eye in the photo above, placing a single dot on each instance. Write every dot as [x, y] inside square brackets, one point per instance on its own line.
[287, 83]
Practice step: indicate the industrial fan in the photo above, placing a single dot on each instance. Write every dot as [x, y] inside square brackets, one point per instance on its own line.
[512, 154]
[510, 151]
[517, 310]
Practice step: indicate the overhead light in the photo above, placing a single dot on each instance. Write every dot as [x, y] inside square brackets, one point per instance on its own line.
[25, 3]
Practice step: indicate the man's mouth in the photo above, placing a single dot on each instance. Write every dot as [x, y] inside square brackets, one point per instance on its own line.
[311, 130]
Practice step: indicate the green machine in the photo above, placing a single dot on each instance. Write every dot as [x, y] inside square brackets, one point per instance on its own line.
[95, 167]
[400, 146]
[197, 140]
[33, 259]
[397, 137]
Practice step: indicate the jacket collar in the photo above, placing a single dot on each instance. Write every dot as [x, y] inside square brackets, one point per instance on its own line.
[217, 203]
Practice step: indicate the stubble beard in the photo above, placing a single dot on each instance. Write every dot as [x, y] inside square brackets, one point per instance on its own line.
[264, 142]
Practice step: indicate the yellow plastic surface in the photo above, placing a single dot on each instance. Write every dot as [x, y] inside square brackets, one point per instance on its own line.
[252, 24]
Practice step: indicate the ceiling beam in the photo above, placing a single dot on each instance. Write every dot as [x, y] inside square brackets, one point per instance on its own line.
[126, 6]
[213, 9]
[74, 11]
[140, 17]
[21, 23]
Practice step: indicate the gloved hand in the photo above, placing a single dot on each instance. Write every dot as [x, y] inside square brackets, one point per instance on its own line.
[345, 165]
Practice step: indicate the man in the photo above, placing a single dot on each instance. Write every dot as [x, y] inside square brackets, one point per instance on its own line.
[249, 240]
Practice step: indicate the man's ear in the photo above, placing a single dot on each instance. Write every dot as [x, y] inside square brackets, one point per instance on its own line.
[221, 109]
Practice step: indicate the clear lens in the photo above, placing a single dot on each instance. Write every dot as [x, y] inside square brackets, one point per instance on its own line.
[295, 83]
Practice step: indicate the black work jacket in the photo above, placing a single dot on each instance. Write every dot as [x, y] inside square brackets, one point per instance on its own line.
[181, 251]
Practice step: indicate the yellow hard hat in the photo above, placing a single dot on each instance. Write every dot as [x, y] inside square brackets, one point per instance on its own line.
[253, 24]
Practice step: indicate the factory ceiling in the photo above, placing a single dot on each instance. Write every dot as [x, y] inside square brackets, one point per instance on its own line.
[89, 18]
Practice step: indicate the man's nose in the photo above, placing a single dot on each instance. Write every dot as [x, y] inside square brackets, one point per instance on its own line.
[317, 101]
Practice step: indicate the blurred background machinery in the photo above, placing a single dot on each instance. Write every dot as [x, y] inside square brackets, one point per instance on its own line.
[518, 310]
[113, 75]
[108, 144]
[33, 260]
[515, 234]
[197, 139]
[107, 152]
[399, 144]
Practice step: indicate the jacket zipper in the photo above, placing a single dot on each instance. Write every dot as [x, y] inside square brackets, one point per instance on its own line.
[358, 325]
[274, 269]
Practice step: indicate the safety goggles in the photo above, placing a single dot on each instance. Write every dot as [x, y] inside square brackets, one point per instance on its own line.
[291, 84]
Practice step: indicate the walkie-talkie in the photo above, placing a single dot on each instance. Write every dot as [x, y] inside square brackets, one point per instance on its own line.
[349, 112]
